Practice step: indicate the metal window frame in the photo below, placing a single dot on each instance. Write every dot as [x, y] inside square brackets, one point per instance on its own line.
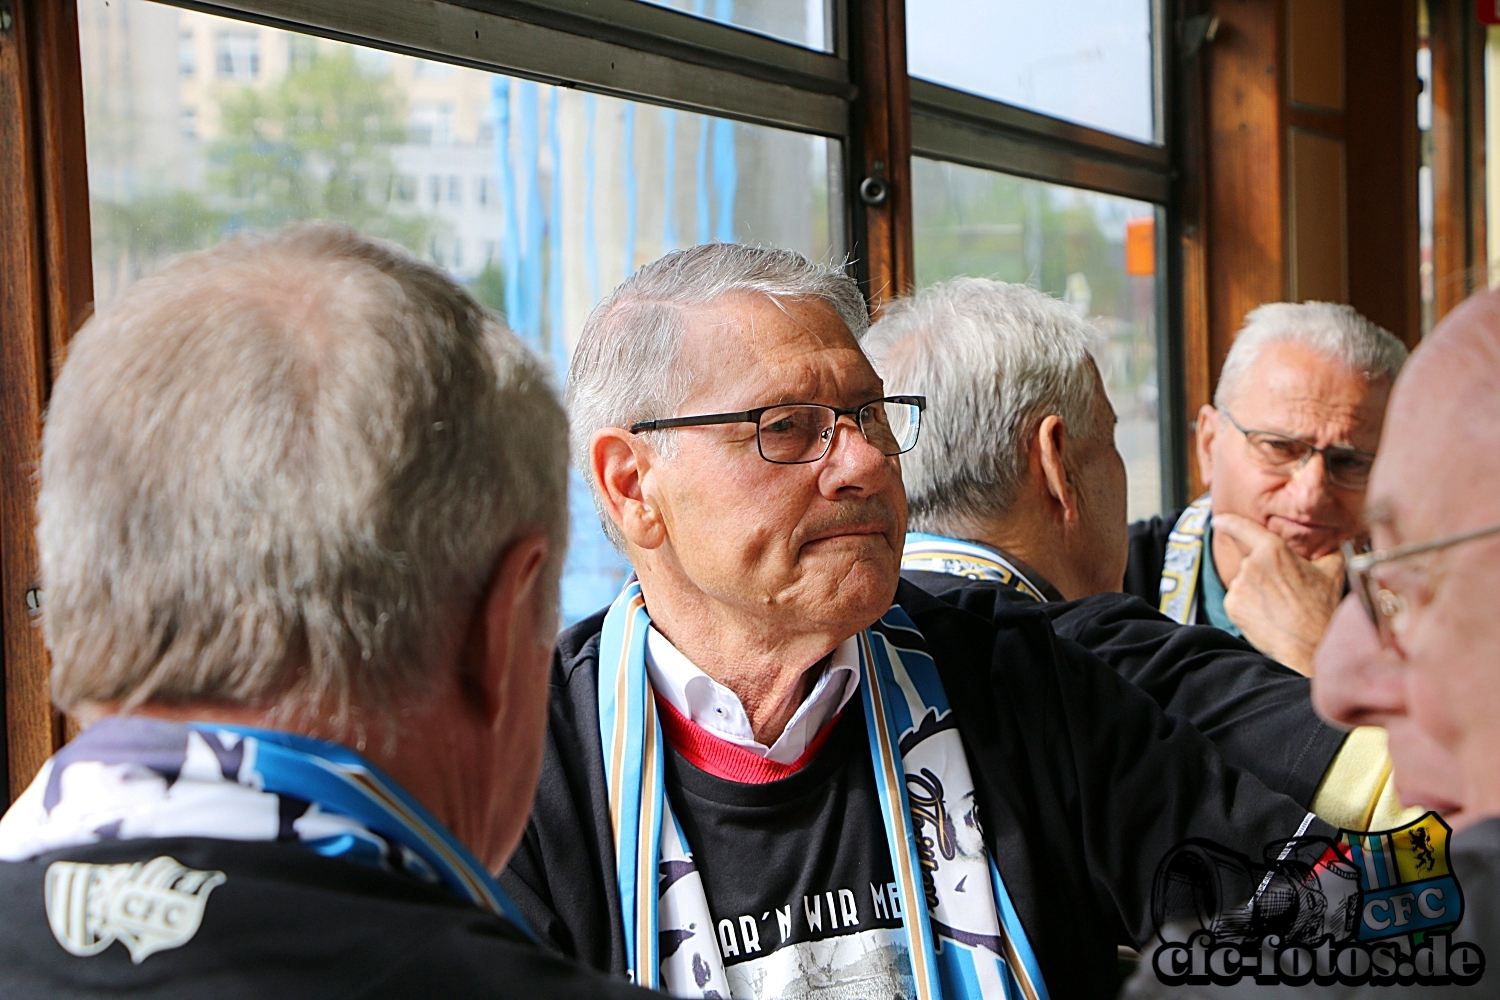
[955, 126]
[643, 52]
[632, 50]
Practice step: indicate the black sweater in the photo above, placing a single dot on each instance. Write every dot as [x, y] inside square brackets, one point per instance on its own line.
[1256, 711]
[286, 924]
[1083, 785]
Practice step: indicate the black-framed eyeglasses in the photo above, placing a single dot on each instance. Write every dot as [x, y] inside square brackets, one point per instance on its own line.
[1346, 468]
[796, 433]
[1386, 608]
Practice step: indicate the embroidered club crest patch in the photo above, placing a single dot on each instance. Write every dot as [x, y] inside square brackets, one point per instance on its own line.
[148, 906]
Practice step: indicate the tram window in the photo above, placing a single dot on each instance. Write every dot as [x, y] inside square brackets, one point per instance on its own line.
[801, 22]
[580, 189]
[1089, 61]
[1096, 252]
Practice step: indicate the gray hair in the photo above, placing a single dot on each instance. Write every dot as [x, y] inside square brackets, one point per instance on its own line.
[1333, 330]
[271, 472]
[993, 360]
[625, 363]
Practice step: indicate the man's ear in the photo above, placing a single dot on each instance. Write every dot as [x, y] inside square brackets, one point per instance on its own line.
[1052, 444]
[1208, 428]
[507, 633]
[621, 463]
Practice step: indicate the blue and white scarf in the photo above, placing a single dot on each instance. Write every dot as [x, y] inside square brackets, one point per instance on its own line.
[135, 778]
[926, 553]
[962, 945]
[1182, 563]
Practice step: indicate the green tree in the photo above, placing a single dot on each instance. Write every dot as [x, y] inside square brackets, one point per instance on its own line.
[488, 287]
[316, 145]
[997, 226]
[130, 236]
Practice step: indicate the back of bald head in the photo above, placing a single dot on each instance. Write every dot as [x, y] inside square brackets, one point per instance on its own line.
[1448, 389]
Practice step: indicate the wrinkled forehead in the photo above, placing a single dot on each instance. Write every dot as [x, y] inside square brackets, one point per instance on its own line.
[1288, 373]
[745, 349]
[1295, 390]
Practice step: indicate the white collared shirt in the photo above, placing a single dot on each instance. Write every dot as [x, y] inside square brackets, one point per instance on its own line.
[707, 703]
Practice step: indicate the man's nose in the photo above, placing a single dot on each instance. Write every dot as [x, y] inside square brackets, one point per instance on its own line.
[853, 463]
[1356, 682]
[1309, 482]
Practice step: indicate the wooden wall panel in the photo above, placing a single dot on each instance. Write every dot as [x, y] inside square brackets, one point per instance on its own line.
[1246, 197]
[1318, 264]
[1382, 153]
[1315, 53]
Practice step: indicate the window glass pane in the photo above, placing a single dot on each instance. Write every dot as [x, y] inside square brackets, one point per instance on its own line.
[1094, 251]
[801, 22]
[1088, 61]
[540, 199]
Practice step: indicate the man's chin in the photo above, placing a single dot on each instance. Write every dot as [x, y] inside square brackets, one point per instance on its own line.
[859, 587]
[1412, 773]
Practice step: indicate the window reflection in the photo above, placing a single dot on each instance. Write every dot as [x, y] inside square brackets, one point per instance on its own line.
[1089, 61]
[1096, 252]
[540, 199]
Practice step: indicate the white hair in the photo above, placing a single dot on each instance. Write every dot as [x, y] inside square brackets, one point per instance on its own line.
[277, 472]
[993, 359]
[1333, 330]
[625, 367]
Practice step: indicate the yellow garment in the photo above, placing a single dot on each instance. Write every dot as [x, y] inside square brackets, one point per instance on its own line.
[1357, 792]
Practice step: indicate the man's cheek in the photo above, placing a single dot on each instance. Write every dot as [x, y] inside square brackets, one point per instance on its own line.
[1433, 696]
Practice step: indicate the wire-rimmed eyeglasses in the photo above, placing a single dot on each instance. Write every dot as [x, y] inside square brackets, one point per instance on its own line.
[1346, 468]
[796, 433]
[1386, 608]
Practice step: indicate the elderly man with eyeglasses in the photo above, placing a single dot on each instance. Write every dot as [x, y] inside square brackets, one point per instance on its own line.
[776, 770]
[1285, 451]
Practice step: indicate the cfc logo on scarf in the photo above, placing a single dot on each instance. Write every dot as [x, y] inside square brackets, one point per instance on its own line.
[148, 906]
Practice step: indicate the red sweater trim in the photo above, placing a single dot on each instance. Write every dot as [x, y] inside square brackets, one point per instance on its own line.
[723, 759]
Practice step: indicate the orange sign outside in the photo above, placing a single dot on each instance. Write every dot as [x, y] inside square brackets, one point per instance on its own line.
[1140, 246]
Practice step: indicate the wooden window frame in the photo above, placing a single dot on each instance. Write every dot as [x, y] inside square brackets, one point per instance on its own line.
[856, 94]
[1459, 249]
[46, 292]
[860, 94]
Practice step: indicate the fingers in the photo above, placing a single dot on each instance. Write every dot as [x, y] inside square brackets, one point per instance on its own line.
[1331, 565]
[1245, 533]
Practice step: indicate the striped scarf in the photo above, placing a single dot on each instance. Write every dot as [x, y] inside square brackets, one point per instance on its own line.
[136, 778]
[1182, 563]
[926, 553]
[962, 945]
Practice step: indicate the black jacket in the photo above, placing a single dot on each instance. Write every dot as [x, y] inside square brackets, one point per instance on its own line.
[1148, 553]
[286, 923]
[1083, 785]
[1257, 712]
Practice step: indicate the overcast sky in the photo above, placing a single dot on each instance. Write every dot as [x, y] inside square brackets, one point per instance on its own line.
[1085, 60]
